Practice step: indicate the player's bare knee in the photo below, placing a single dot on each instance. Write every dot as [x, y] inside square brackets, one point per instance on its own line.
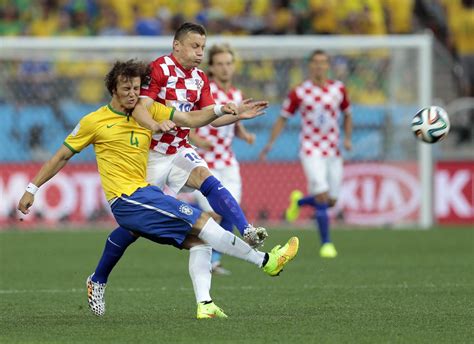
[322, 198]
[200, 223]
[198, 176]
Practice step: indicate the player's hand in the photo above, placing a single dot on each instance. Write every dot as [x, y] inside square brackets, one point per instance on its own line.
[263, 154]
[26, 202]
[255, 236]
[230, 109]
[251, 109]
[348, 144]
[164, 126]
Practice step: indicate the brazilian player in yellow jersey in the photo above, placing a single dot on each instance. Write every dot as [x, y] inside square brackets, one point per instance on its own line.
[121, 147]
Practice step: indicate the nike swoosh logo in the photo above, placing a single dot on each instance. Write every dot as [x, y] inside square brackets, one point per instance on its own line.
[220, 188]
[233, 241]
[111, 125]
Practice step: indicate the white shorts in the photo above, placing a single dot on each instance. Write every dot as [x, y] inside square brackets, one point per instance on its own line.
[323, 174]
[173, 170]
[229, 177]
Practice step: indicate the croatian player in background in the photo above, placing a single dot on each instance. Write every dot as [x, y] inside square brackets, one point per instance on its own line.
[320, 102]
[215, 143]
[177, 82]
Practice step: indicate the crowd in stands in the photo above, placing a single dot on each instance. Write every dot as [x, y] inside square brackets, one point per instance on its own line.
[161, 17]
[451, 20]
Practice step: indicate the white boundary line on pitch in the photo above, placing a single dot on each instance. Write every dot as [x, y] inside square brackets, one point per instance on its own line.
[305, 286]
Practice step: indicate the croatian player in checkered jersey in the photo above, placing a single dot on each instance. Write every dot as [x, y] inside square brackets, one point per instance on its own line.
[215, 143]
[177, 82]
[320, 102]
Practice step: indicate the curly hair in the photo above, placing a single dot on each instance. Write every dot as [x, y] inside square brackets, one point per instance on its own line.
[128, 70]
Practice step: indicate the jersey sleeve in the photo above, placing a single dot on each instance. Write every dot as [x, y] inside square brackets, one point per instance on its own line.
[82, 135]
[290, 104]
[160, 112]
[345, 103]
[154, 84]
[206, 95]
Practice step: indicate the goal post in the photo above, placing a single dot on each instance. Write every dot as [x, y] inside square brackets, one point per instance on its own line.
[388, 78]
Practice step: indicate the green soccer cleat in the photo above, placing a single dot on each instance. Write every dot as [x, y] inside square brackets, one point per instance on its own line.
[328, 250]
[280, 256]
[209, 311]
[293, 210]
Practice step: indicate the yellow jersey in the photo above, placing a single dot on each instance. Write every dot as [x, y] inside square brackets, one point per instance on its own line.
[121, 146]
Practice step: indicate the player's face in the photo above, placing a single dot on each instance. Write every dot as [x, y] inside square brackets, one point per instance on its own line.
[127, 92]
[319, 66]
[222, 67]
[189, 51]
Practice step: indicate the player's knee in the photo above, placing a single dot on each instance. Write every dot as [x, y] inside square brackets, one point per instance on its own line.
[322, 198]
[198, 176]
[201, 222]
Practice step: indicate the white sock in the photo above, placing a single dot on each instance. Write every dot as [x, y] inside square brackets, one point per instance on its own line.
[200, 271]
[227, 243]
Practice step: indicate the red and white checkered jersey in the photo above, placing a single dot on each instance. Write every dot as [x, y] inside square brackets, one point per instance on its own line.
[221, 154]
[186, 90]
[320, 108]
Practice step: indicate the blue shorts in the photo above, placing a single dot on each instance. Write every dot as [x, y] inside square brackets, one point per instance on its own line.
[155, 216]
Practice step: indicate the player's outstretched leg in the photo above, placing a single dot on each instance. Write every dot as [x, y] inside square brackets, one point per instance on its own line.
[116, 244]
[223, 241]
[223, 203]
[95, 296]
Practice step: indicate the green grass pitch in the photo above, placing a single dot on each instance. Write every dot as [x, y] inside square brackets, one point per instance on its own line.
[386, 286]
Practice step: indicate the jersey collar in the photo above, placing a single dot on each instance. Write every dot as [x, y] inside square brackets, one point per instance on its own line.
[187, 72]
[116, 112]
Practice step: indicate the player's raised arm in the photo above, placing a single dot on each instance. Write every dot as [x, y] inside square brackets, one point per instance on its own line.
[47, 171]
[246, 110]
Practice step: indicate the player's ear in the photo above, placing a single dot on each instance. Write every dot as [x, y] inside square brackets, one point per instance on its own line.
[176, 44]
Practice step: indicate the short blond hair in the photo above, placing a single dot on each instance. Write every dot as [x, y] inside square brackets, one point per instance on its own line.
[218, 49]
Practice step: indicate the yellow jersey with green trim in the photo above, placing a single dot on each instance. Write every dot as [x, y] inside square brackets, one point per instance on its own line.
[121, 146]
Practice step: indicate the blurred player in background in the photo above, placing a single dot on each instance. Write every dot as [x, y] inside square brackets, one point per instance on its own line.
[177, 82]
[215, 143]
[121, 146]
[320, 102]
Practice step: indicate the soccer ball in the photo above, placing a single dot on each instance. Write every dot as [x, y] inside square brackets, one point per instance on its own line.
[430, 124]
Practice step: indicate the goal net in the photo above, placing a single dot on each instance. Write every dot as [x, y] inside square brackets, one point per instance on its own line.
[47, 85]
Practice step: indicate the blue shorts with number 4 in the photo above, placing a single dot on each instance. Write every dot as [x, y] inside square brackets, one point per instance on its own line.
[155, 216]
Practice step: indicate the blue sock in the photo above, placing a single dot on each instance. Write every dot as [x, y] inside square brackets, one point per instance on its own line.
[223, 202]
[308, 200]
[322, 219]
[115, 246]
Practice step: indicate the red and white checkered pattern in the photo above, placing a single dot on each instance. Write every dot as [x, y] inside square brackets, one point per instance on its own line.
[221, 154]
[320, 108]
[186, 90]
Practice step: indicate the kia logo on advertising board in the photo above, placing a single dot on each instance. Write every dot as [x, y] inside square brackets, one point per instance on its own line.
[378, 194]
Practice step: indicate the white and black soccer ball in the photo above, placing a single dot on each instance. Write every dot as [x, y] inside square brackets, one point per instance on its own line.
[430, 124]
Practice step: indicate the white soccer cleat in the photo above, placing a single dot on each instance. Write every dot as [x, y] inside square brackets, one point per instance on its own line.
[95, 296]
[255, 236]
